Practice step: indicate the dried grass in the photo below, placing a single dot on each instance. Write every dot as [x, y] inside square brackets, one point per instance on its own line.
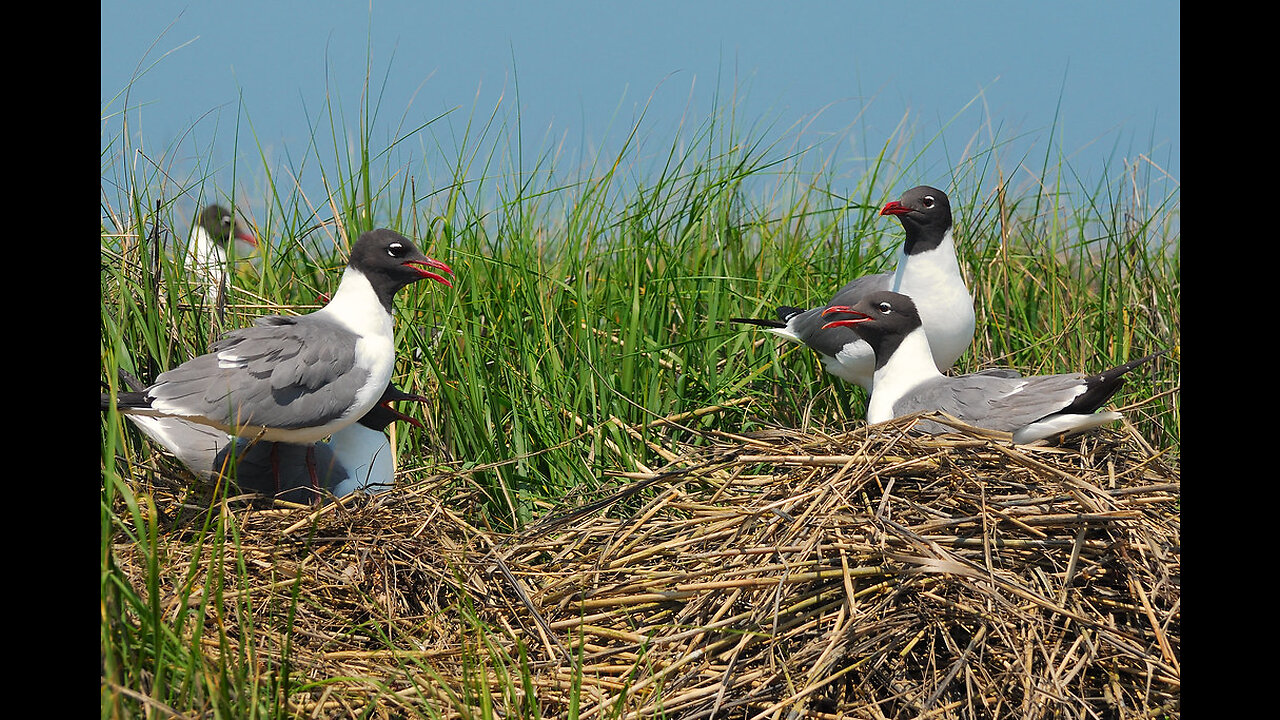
[862, 574]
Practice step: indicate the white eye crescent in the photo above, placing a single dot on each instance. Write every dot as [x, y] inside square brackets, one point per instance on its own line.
[395, 249]
[929, 201]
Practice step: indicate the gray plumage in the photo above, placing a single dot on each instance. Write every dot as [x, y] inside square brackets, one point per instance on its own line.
[356, 457]
[279, 374]
[1029, 408]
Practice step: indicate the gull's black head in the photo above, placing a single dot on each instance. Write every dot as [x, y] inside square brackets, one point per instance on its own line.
[925, 213]
[222, 226]
[391, 261]
[881, 318]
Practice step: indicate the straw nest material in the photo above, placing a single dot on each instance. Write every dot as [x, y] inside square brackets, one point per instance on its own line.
[863, 574]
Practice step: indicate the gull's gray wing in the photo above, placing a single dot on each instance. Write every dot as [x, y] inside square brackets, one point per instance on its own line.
[860, 287]
[808, 324]
[281, 373]
[993, 402]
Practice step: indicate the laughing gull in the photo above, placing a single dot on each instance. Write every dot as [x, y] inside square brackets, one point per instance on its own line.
[927, 271]
[216, 231]
[907, 380]
[300, 379]
[358, 457]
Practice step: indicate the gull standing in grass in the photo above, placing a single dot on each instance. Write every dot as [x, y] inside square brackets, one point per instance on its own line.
[927, 270]
[907, 380]
[300, 379]
[216, 231]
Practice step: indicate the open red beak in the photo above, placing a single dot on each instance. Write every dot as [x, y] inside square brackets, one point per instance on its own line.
[422, 265]
[401, 416]
[895, 208]
[243, 236]
[847, 322]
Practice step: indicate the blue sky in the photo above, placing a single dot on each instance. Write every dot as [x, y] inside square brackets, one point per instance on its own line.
[198, 72]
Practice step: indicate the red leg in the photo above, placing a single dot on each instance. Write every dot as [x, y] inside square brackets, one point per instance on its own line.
[311, 468]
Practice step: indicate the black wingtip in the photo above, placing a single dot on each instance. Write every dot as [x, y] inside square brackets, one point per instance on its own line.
[1101, 386]
[1122, 369]
[127, 380]
[134, 397]
[786, 312]
[126, 400]
[759, 321]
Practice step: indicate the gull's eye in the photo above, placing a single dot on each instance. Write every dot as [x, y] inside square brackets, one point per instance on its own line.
[884, 307]
[929, 201]
[226, 219]
[396, 250]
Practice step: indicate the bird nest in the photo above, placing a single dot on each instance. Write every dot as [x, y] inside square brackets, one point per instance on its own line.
[862, 574]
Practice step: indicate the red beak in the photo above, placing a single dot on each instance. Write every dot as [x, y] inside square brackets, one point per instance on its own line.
[247, 237]
[895, 208]
[431, 263]
[401, 416]
[847, 322]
